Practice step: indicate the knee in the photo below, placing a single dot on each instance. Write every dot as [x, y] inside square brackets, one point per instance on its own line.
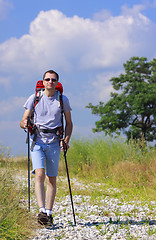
[40, 175]
[51, 181]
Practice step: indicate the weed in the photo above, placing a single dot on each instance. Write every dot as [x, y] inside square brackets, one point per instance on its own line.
[115, 163]
[15, 223]
[151, 231]
[101, 166]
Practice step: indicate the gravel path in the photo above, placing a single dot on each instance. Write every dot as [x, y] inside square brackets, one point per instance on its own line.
[107, 217]
[92, 224]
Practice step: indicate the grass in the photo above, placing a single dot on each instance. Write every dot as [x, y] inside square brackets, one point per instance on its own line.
[15, 222]
[114, 164]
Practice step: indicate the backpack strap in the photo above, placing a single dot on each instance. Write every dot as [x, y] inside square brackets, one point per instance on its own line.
[36, 100]
[34, 129]
[62, 113]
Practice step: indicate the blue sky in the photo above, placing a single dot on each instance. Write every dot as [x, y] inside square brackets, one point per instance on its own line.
[86, 42]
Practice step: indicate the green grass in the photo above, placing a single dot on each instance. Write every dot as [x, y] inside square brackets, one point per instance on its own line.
[15, 221]
[116, 163]
[112, 163]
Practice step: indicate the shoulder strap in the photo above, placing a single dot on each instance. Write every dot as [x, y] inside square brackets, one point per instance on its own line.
[38, 94]
[40, 89]
[62, 112]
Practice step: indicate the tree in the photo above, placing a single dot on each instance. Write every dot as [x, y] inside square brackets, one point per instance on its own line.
[132, 106]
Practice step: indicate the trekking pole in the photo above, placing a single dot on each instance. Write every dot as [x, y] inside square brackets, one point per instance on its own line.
[65, 151]
[28, 141]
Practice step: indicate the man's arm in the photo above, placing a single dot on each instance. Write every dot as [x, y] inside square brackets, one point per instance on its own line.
[68, 127]
[24, 121]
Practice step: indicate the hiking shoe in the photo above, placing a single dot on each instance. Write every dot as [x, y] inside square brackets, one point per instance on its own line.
[50, 221]
[42, 218]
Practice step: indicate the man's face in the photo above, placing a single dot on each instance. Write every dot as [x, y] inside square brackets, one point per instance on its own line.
[50, 81]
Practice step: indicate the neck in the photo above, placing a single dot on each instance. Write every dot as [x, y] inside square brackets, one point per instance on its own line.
[49, 93]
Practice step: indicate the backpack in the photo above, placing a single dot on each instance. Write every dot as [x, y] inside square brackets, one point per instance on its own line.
[33, 129]
[40, 89]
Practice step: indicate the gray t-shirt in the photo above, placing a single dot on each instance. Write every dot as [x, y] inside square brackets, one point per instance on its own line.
[47, 115]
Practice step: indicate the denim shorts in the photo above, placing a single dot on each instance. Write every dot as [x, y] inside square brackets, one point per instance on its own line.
[46, 156]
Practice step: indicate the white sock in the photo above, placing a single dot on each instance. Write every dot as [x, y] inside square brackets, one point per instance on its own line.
[42, 209]
[48, 211]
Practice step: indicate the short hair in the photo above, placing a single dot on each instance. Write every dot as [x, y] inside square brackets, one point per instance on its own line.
[51, 71]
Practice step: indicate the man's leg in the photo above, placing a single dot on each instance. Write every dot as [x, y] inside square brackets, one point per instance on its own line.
[39, 186]
[52, 162]
[40, 195]
[50, 192]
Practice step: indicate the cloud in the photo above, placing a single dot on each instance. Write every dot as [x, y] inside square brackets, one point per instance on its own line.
[103, 87]
[85, 131]
[9, 125]
[10, 105]
[87, 52]
[74, 44]
[5, 6]
[154, 3]
[77, 44]
[5, 81]
[13, 137]
[102, 15]
[150, 4]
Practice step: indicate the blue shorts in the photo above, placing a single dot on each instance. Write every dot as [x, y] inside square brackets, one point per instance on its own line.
[46, 156]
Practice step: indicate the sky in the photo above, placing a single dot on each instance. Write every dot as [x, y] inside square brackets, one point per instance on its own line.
[86, 42]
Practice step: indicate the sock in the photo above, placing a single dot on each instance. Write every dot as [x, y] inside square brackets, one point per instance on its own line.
[48, 211]
[42, 209]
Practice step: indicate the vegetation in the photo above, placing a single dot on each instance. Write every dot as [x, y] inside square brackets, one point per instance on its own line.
[113, 163]
[15, 221]
[132, 106]
[116, 163]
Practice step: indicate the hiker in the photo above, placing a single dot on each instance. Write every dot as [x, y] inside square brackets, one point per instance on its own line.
[48, 145]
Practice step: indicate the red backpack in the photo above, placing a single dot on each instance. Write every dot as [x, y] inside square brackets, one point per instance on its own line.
[38, 94]
[40, 89]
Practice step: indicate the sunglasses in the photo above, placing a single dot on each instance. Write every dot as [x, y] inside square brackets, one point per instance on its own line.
[52, 79]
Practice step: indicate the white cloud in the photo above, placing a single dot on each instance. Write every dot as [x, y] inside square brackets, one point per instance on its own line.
[97, 88]
[102, 15]
[4, 8]
[94, 48]
[74, 43]
[150, 4]
[135, 15]
[5, 81]
[102, 87]
[9, 125]
[11, 105]
[85, 131]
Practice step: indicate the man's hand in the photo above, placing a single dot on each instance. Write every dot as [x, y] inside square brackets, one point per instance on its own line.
[64, 145]
[25, 121]
[24, 124]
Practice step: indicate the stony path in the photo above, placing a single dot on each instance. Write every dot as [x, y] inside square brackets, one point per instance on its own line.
[107, 217]
[93, 224]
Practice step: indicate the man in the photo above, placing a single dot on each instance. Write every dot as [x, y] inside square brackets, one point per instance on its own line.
[47, 118]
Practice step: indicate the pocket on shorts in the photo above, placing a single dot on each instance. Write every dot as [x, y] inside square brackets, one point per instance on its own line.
[36, 146]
